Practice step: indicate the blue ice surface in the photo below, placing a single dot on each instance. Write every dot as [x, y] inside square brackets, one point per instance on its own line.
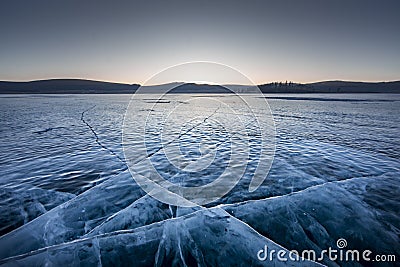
[66, 191]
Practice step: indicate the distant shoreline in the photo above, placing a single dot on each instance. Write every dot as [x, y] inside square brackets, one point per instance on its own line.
[77, 86]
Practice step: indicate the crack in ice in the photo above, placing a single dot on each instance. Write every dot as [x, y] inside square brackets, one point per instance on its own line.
[97, 137]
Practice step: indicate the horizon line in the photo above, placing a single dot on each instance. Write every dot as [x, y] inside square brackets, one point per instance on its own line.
[199, 83]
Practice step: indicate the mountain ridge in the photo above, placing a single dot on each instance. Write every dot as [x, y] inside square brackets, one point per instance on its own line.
[83, 86]
[65, 86]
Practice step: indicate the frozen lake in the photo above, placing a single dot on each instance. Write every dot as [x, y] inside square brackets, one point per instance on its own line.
[63, 177]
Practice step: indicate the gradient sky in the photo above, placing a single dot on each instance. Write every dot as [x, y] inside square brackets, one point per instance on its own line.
[129, 41]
